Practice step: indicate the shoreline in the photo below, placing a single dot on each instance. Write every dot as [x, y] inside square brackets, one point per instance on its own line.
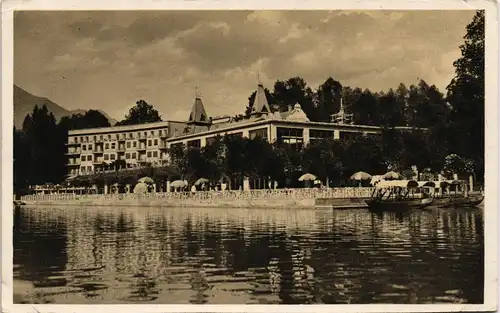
[289, 198]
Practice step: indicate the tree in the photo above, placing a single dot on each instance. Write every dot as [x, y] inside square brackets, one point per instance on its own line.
[178, 159]
[322, 158]
[426, 106]
[141, 113]
[46, 147]
[328, 100]
[391, 110]
[235, 159]
[466, 96]
[91, 119]
[365, 109]
[292, 91]
[215, 156]
[22, 162]
[363, 154]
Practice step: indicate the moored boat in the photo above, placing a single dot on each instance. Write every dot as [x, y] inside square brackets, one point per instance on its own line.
[456, 199]
[397, 195]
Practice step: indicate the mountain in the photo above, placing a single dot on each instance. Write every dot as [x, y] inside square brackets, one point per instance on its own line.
[24, 103]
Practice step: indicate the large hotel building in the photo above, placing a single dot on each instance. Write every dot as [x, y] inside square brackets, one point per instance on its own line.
[94, 150]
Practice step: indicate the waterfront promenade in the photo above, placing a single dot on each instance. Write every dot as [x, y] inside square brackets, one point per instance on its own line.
[299, 198]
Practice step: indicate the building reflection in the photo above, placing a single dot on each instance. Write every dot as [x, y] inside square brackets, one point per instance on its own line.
[256, 256]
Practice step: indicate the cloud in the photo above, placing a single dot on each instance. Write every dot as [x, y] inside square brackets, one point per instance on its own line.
[109, 60]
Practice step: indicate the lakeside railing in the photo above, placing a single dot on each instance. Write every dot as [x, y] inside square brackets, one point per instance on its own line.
[227, 195]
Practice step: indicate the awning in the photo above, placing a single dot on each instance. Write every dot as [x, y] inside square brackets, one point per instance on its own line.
[397, 183]
[427, 184]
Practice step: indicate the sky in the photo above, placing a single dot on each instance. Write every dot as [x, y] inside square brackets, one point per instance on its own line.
[110, 59]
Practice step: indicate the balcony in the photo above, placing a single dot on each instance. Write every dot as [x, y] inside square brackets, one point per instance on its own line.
[141, 148]
[74, 152]
[98, 151]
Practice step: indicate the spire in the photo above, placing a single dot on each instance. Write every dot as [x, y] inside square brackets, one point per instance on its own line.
[260, 104]
[198, 113]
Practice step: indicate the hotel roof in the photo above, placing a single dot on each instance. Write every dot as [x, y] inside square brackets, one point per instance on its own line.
[260, 104]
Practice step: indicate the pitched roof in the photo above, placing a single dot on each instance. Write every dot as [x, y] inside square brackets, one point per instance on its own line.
[198, 113]
[260, 104]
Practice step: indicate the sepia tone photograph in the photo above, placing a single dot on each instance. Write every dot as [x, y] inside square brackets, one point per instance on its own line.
[249, 157]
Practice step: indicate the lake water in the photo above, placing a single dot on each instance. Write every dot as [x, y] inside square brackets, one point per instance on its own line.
[247, 256]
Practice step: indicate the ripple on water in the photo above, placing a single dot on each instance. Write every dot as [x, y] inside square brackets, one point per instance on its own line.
[146, 255]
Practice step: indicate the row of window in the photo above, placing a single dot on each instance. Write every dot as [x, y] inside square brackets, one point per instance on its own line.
[122, 136]
[258, 133]
[86, 169]
[86, 157]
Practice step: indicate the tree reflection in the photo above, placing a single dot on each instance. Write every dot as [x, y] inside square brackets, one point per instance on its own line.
[40, 246]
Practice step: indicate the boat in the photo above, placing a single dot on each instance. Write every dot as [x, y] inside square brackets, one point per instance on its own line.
[459, 201]
[397, 195]
[455, 199]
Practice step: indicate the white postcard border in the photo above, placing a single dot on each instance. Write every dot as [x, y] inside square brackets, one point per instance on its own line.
[491, 146]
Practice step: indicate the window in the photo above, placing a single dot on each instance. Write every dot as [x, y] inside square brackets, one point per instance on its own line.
[89, 169]
[127, 155]
[112, 157]
[95, 138]
[89, 157]
[347, 136]
[113, 145]
[128, 144]
[145, 134]
[260, 133]
[130, 135]
[235, 135]
[149, 142]
[156, 142]
[134, 156]
[149, 154]
[83, 157]
[155, 154]
[90, 147]
[134, 144]
[81, 138]
[291, 136]
[86, 138]
[100, 137]
[106, 146]
[194, 143]
[106, 157]
[84, 147]
[82, 169]
[152, 133]
[109, 137]
[318, 134]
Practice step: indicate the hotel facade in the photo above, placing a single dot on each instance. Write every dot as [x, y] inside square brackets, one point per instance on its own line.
[97, 149]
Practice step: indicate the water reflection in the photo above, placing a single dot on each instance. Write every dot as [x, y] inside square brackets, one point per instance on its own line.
[147, 255]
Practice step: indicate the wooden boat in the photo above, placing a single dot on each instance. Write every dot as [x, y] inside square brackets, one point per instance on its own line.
[456, 199]
[380, 204]
[397, 195]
